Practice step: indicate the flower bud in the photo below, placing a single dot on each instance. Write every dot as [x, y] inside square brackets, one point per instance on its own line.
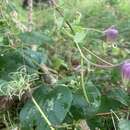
[111, 34]
[125, 71]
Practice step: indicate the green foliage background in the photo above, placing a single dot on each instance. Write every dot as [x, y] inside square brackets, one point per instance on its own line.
[70, 88]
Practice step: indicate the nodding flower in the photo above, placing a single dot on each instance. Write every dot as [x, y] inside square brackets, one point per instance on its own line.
[125, 71]
[111, 34]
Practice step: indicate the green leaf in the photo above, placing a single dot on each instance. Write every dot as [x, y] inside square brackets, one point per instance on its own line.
[34, 38]
[55, 104]
[115, 76]
[33, 58]
[80, 107]
[59, 22]
[107, 104]
[124, 124]
[119, 95]
[94, 97]
[1, 39]
[58, 62]
[9, 62]
[79, 37]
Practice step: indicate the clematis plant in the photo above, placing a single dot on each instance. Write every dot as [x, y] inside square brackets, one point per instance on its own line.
[111, 34]
[125, 72]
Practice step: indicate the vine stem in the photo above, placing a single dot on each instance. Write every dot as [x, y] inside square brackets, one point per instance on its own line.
[82, 81]
[97, 56]
[43, 114]
[91, 63]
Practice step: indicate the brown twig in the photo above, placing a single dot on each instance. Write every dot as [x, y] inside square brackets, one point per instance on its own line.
[30, 10]
[109, 113]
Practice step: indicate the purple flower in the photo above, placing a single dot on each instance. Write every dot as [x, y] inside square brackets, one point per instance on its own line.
[125, 70]
[111, 34]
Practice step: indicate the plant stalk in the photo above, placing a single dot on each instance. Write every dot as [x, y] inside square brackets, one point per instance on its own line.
[82, 81]
[43, 114]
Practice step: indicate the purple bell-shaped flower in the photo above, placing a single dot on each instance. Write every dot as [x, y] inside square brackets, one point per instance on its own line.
[125, 72]
[111, 34]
